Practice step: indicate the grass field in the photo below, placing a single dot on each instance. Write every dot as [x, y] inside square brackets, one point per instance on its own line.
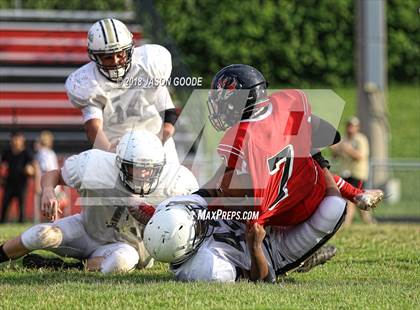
[377, 267]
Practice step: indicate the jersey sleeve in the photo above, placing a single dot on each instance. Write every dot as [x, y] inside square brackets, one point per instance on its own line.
[155, 60]
[71, 173]
[299, 101]
[83, 89]
[294, 110]
[183, 183]
[91, 112]
[93, 169]
[163, 100]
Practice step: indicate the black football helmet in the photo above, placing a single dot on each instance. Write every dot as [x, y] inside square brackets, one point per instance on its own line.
[235, 94]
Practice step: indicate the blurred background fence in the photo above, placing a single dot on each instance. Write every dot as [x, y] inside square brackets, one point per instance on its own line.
[403, 189]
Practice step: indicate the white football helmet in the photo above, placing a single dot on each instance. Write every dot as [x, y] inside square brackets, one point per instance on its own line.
[174, 232]
[110, 36]
[140, 158]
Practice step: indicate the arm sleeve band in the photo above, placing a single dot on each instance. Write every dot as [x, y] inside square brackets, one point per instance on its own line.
[323, 163]
[170, 116]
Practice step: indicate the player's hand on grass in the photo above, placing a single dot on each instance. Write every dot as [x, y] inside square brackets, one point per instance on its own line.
[50, 207]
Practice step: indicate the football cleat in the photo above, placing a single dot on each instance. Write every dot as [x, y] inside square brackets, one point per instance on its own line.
[369, 199]
[321, 256]
[35, 261]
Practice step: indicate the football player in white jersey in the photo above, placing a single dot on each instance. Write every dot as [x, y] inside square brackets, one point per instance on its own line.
[227, 250]
[111, 186]
[123, 88]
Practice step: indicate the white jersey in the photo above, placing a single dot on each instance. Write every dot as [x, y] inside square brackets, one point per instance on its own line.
[104, 198]
[131, 104]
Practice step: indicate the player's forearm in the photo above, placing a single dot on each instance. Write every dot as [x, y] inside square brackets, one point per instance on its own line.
[332, 189]
[167, 131]
[50, 180]
[259, 266]
[96, 136]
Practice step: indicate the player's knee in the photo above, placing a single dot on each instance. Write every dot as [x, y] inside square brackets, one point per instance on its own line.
[329, 214]
[121, 260]
[42, 236]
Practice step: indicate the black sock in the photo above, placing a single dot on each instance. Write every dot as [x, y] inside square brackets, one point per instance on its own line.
[3, 256]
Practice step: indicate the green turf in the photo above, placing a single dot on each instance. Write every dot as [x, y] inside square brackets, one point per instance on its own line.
[377, 267]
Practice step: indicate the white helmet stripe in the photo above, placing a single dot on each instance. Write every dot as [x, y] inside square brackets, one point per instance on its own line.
[103, 32]
[115, 30]
[109, 31]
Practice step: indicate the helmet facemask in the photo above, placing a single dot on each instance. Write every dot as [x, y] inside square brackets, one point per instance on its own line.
[225, 111]
[117, 72]
[108, 37]
[238, 92]
[140, 177]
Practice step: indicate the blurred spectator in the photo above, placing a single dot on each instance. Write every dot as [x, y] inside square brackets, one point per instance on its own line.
[353, 156]
[18, 162]
[46, 157]
[47, 161]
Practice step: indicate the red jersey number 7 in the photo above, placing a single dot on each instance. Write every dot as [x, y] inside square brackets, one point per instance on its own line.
[282, 163]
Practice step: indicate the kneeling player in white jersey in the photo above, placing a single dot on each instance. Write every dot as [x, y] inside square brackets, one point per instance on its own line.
[226, 250]
[111, 187]
[123, 87]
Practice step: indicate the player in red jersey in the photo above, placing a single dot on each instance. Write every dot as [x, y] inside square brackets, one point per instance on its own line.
[272, 139]
[269, 142]
[268, 149]
[275, 151]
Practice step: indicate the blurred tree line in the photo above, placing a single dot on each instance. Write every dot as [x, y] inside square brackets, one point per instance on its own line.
[300, 43]
[308, 42]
